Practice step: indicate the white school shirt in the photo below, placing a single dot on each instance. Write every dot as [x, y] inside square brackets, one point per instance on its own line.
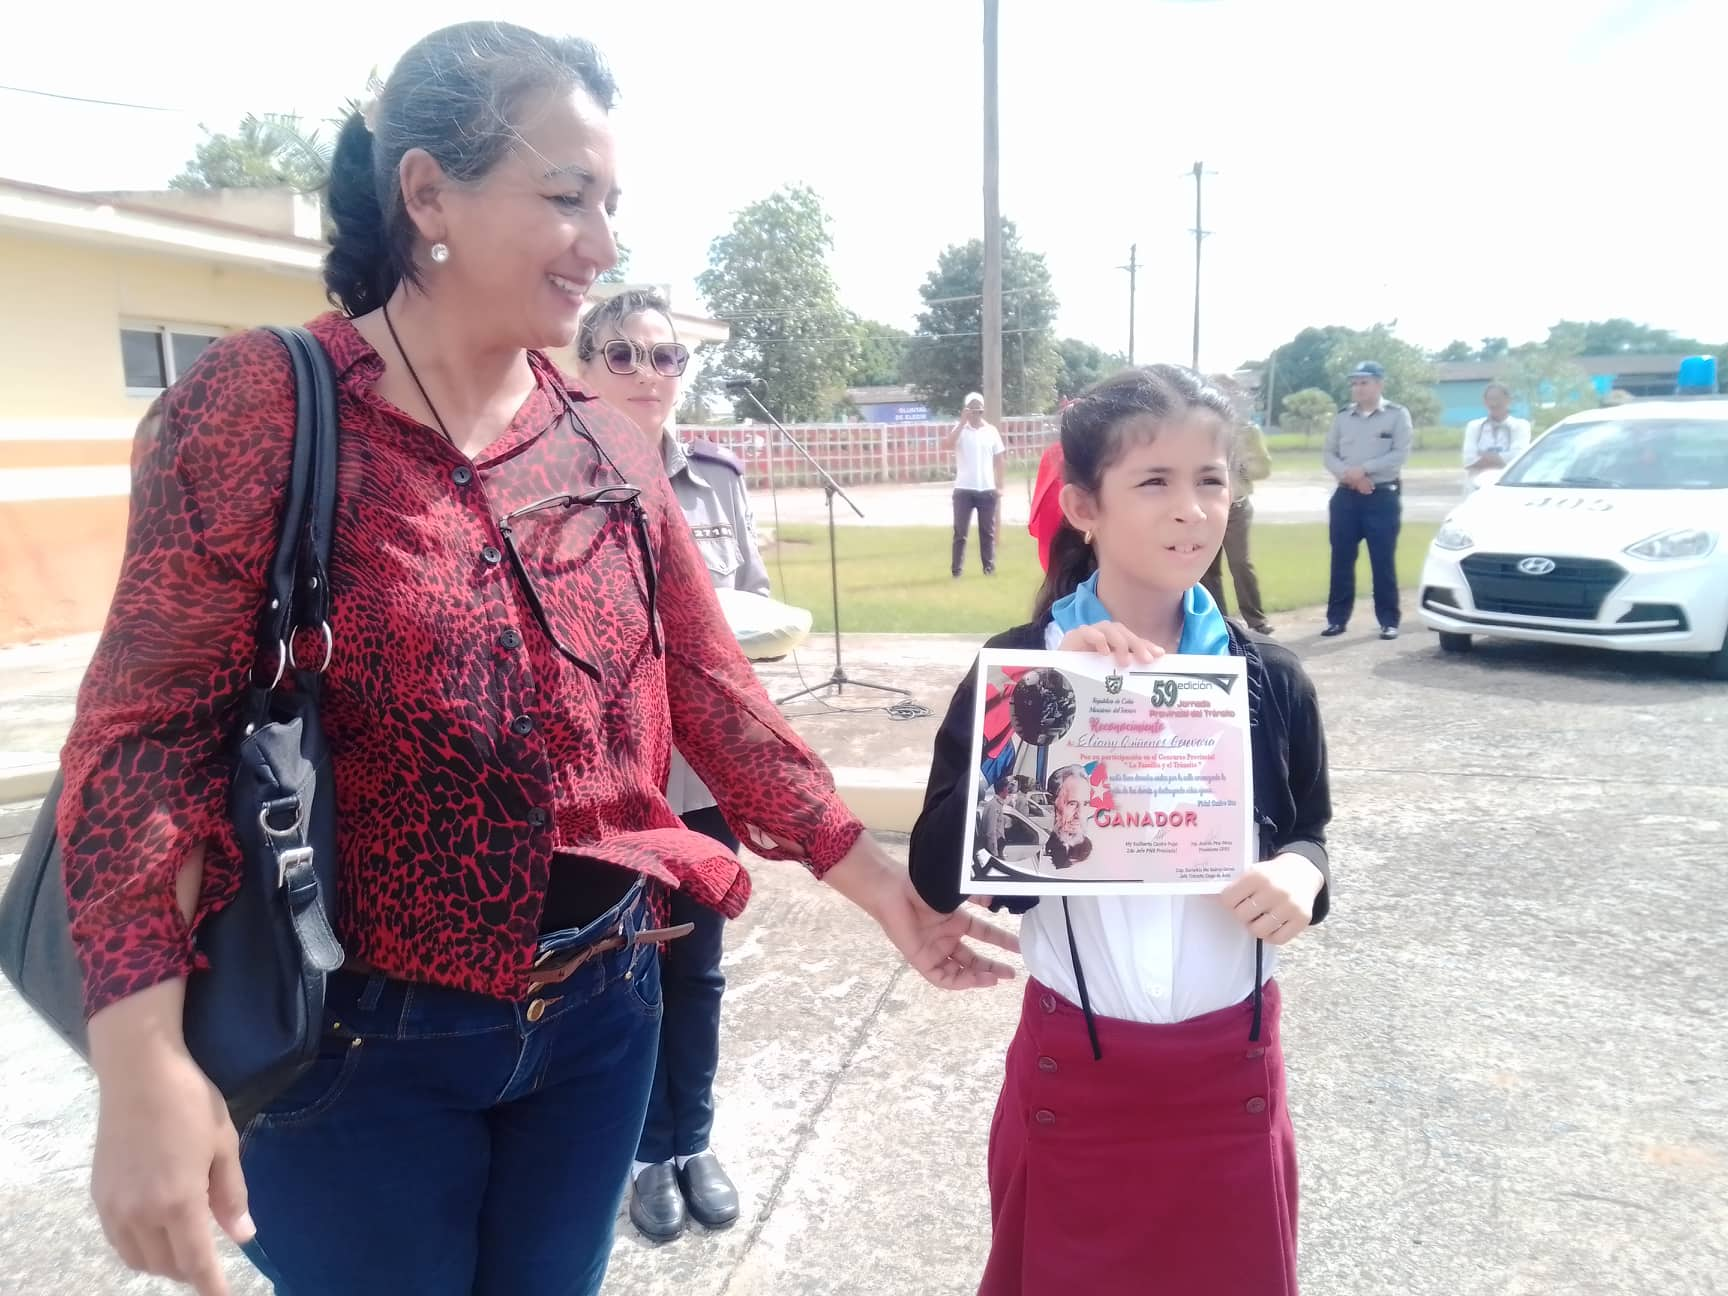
[975, 458]
[1157, 959]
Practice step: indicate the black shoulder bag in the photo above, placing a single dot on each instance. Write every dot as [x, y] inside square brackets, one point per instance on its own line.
[254, 1018]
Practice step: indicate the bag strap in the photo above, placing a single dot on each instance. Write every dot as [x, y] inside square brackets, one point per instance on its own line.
[297, 587]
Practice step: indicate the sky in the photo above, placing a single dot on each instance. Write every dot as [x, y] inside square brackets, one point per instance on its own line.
[1472, 168]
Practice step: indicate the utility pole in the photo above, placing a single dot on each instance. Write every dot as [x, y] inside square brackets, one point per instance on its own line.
[992, 312]
[1271, 390]
[1200, 233]
[1133, 269]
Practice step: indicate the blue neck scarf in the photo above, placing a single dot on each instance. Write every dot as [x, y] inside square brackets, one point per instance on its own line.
[1204, 633]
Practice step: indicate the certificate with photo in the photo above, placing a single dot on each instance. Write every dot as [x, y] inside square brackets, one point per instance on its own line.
[1099, 780]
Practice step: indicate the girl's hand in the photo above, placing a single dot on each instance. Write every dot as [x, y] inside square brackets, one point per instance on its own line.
[1108, 639]
[1275, 900]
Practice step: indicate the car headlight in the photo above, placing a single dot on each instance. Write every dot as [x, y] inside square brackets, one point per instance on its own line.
[1452, 536]
[1682, 542]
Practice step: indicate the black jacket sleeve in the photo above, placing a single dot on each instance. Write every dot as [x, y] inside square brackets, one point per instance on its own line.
[939, 836]
[1308, 780]
[951, 794]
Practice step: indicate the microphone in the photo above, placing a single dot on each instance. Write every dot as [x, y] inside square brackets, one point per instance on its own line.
[737, 385]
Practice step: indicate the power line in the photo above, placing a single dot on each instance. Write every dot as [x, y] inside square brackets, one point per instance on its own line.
[105, 103]
[771, 311]
[849, 337]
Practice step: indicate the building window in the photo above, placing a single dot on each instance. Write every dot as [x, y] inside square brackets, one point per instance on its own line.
[154, 355]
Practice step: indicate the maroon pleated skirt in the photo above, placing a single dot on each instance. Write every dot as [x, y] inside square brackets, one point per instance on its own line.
[1167, 1167]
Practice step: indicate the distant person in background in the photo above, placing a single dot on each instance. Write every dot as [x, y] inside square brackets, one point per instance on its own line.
[1365, 450]
[980, 461]
[1252, 464]
[1492, 442]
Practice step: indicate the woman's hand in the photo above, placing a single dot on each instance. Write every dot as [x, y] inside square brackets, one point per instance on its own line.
[932, 943]
[167, 1156]
[1275, 900]
[1108, 639]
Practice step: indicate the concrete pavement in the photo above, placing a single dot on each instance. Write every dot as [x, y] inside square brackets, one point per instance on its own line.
[1508, 1063]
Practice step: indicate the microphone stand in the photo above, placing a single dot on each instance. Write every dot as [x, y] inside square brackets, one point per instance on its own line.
[839, 679]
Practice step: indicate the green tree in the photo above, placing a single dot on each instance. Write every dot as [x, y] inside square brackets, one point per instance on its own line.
[1493, 348]
[1456, 350]
[1083, 365]
[1301, 363]
[1618, 337]
[1547, 378]
[768, 277]
[267, 151]
[702, 392]
[619, 273]
[881, 349]
[945, 360]
[1307, 412]
[1409, 375]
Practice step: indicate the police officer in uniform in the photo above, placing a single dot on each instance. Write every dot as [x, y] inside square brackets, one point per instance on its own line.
[630, 356]
[1366, 449]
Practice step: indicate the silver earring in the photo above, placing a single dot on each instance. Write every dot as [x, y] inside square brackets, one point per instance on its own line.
[440, 252]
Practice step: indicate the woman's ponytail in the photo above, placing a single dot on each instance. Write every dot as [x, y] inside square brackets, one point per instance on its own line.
[358, 272]
[1071, 562]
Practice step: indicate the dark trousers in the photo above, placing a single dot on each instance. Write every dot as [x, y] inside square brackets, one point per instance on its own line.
[1375, 518]
[1242, 576]
[681, 1103]
[452, 1144]
[985, 502]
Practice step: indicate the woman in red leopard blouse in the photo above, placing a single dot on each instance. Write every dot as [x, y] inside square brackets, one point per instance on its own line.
[505, 689]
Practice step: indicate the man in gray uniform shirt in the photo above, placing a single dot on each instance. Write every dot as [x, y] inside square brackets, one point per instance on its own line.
[1365, 450]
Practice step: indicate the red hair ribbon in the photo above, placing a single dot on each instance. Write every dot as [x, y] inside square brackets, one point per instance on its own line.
[1047, 517]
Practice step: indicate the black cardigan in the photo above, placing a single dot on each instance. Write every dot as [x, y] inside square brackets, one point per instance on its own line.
[1292, 796]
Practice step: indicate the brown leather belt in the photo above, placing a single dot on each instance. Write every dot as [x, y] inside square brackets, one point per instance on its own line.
[560, 965]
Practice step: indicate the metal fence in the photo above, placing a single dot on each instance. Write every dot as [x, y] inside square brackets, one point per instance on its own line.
[857, 453]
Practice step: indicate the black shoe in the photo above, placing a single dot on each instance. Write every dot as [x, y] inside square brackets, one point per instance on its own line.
[1265, 628]
[1332, 632]
[1388, 632]
[713, 1198]
[656, 1205]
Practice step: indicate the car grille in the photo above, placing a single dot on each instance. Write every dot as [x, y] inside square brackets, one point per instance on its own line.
[1573, 590]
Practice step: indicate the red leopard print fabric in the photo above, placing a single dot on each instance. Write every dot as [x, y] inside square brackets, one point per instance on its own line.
[471, 757]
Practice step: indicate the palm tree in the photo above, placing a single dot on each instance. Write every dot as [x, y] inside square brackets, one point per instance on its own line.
[269, 150]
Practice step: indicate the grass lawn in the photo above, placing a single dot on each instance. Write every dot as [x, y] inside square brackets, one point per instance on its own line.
[895, 579]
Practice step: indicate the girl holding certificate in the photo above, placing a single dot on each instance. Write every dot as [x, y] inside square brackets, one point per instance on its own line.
[1142, 1142]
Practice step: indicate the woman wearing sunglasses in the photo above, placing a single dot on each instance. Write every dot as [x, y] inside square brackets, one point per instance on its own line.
[511, 666]
[631, 358]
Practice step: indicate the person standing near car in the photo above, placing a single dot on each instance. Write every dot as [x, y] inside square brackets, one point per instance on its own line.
[1366, 449]
[1495, 440]
[980, 462]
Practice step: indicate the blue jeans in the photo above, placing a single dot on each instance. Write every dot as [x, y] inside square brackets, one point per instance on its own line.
[681, 1103]
[1377, 519]
[451, 1144]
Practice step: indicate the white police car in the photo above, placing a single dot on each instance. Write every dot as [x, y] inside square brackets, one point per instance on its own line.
[1611, 531]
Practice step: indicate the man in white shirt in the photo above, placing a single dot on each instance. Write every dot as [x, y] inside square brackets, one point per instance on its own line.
[980, 461]
[1494, 441]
